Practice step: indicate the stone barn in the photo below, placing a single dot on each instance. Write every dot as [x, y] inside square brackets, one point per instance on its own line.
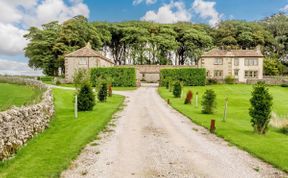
[84, 58]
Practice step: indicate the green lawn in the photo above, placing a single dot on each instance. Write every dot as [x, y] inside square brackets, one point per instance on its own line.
[51, 152]
[17, 95]
[272, 147]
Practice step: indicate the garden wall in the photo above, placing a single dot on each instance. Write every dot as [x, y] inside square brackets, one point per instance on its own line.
[18, 125]
[270, 80]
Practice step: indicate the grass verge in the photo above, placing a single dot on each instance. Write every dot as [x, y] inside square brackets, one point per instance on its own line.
[272, 147]
[49, 153]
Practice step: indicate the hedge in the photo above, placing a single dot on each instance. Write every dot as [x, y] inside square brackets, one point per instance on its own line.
[189, 76]
[120, 76]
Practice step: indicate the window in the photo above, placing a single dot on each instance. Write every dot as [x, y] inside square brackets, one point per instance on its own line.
[218, 73]
[82, 62]
[251, 62]
[251, 74]
[218, 61]
[236, 72]
[236, 62]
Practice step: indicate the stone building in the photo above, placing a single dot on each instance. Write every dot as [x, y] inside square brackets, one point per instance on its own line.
[84, 58]
[242, 64]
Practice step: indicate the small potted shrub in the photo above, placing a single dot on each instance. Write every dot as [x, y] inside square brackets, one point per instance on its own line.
[189, 97]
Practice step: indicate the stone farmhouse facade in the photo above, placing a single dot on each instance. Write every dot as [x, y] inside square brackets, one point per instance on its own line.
[84, 58]
[242, 64]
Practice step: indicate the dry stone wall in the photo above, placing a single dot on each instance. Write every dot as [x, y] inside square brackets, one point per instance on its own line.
[19, 124]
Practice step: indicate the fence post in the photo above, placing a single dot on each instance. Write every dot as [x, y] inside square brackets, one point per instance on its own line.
[212, 126]
[225, 109]
[76, 107]
[196, 100]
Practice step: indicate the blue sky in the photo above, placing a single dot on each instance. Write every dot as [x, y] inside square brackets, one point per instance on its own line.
[113, 10]
[15, 19]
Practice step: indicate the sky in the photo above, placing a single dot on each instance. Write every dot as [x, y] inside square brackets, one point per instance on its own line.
[16, 16]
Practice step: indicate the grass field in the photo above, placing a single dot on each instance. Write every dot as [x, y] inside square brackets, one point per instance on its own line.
[272, 147]
[51, 152]
[17, 95]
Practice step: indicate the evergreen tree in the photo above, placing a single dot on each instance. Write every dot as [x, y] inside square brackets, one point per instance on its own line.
[86, 98]
[208, 102]
[102, 93]
[260, 110]
[177, 89]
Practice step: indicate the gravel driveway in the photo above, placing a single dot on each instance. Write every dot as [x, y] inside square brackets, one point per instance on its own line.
[149, 139]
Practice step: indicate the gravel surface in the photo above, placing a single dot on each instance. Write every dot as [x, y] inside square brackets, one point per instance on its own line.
[149, 139]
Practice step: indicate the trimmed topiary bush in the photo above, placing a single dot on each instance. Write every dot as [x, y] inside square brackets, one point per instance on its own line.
[102, 93]
[189, 76]
[189, 97]
[208, 102]
[119, 76]
[86, 98]
[260, 110]
[177, 89]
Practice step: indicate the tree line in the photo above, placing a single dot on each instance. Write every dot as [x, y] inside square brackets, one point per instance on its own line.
[140, 42]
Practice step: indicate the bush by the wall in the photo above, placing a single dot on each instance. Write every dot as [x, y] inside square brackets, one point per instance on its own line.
[177, 89]
[229, 79]
[86, 98]
[211, 81]
[120, 76]
[284, 85]
[188, 76]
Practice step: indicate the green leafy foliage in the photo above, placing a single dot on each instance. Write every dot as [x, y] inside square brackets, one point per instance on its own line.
[120, 76]
[103, 92]
[189, 97]
[80, 77]
[86, 98]
[273, 67]
[177, 89]
[260, 110]
[189, 76]
[208, 102]
[229, 79]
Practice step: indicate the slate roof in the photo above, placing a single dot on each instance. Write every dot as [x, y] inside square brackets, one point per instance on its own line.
[232, 53]
[87, 51]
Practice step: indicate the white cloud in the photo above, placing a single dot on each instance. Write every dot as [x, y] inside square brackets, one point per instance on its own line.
[169, 13]
[17, 68]
[206, 10]
[137, 2]
[12, 41]
[284, 9]
[17, 15]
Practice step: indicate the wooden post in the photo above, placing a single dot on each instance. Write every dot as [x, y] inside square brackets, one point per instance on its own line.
[168, 101]
[196, 100]
[212, 126]
[76, 107]
[225, 109]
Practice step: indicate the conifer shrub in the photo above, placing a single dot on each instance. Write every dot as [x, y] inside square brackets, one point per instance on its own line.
[229, 79]
[177, 89]
[261, 107]
[102, 93]
[189, 97]
[86, 98]
[209, 102]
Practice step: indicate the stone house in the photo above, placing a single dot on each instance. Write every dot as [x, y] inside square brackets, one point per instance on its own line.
[84, 58]
[242, 64]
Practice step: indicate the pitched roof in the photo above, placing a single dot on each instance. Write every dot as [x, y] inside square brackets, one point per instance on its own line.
[87, 51]
[233, 53]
